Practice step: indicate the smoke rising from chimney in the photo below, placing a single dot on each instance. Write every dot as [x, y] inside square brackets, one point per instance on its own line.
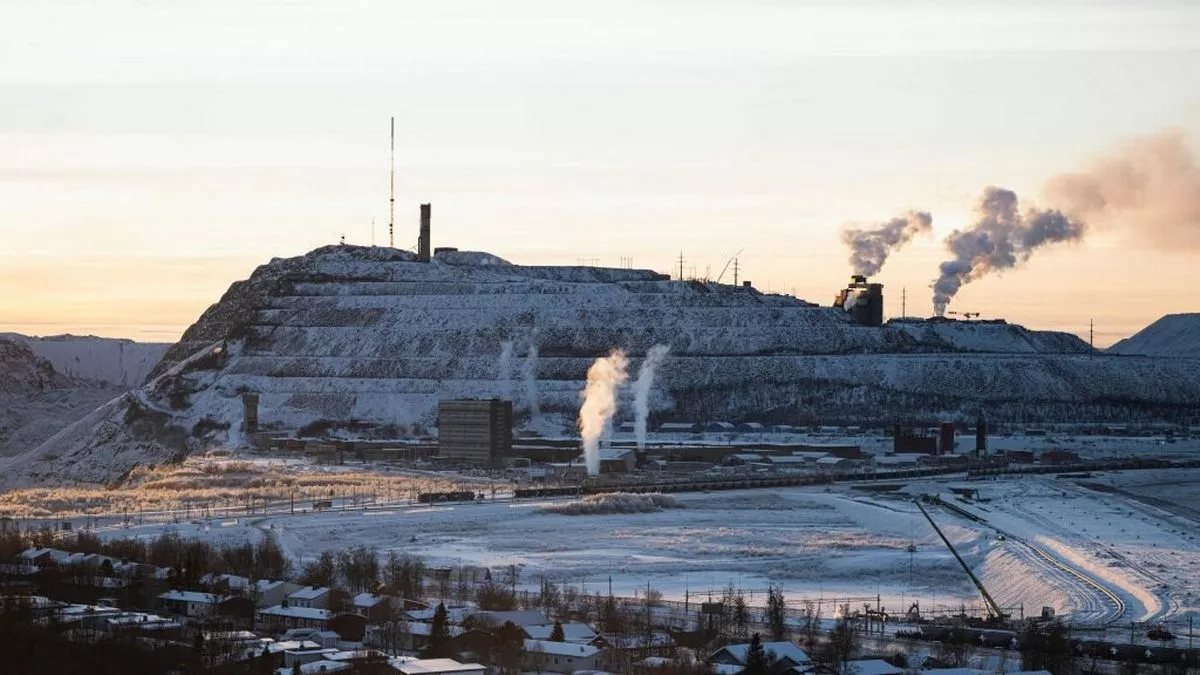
[505, 370]
[1002, 238]
[641, 389]
[1150, 186]
[869, 249]
[529, 377]
[604, 377]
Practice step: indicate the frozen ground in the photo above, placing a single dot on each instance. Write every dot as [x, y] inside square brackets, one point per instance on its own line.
[1092, 553]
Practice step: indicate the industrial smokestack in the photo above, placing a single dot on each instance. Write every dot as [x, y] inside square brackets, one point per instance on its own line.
[423, 239]
[641, 390]
[1150, 186]
[870, 248]
[1002, 238]
[605, 376]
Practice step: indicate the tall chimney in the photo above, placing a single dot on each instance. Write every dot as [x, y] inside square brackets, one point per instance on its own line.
[423, 241]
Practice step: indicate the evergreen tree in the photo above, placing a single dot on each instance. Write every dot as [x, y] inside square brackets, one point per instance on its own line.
[439, 635]
[757, 662]
[557, 634]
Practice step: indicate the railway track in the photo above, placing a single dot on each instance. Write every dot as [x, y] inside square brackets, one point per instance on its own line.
[1116, 600]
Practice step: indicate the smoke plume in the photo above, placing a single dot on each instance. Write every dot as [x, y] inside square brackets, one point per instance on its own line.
[605, 376]
[1149, 187]
[869, 249]
[1002, 238]
[641, 389]
[529, 377]
[505, 370]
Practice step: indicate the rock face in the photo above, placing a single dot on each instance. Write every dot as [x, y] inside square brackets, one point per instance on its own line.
[367, 339]
[36, 401]
[1174, 335]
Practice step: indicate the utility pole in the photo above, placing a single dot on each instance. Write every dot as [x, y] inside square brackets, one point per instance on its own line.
[392, 189]
[1092, 333]
[904, 302]
[681, 265]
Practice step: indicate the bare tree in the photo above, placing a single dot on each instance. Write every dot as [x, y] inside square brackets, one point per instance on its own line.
[776, 613]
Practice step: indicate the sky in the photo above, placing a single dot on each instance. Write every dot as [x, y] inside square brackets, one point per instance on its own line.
[153, 153]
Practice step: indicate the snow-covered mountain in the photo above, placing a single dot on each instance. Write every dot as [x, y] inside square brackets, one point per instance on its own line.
[119, 361]
[36, 401]
[368, 337]
[1174, 335]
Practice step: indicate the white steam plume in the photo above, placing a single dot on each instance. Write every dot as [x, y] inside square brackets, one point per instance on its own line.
[529, 377]
[1149, 187]
[605, 376]
[505, 370]
[869, 249]
[641, 389]
[1002, 238]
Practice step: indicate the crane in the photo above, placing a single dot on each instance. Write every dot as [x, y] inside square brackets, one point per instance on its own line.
[993, 608]
[727, 264]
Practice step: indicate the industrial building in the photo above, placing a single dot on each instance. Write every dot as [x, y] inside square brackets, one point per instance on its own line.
[475, 432]
[863, 301]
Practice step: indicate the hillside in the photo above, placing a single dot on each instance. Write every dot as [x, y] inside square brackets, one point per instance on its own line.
[118, 361]
[36, 401]
[366, 340]
[1174, 335]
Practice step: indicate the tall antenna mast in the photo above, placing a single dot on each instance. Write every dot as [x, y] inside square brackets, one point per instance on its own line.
[392, 190]
[904, 302]
[1092, 333]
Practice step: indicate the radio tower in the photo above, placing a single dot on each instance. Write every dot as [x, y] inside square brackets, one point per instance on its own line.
[392, 190]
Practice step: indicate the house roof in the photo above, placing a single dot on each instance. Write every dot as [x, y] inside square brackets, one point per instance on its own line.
[561, 648]
[55, 554]
[423, 666]
[296, 612]
[322, 666]
[189, 596]
[309, 593]
[368, 599]
[572, 632]
[872, 667]
[781, 650]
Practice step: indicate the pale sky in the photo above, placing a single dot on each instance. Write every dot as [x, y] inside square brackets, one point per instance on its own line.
[151, 152]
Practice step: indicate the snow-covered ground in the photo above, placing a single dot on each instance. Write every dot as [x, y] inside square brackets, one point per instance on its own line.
[1080, 546]
[117, 361]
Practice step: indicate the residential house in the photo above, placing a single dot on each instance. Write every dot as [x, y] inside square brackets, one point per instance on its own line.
[786, 657]
[561, 657]
[278, 619]
[192, 604]
[572, 632]
[43, 557]
[375, 608]
[309, 597]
